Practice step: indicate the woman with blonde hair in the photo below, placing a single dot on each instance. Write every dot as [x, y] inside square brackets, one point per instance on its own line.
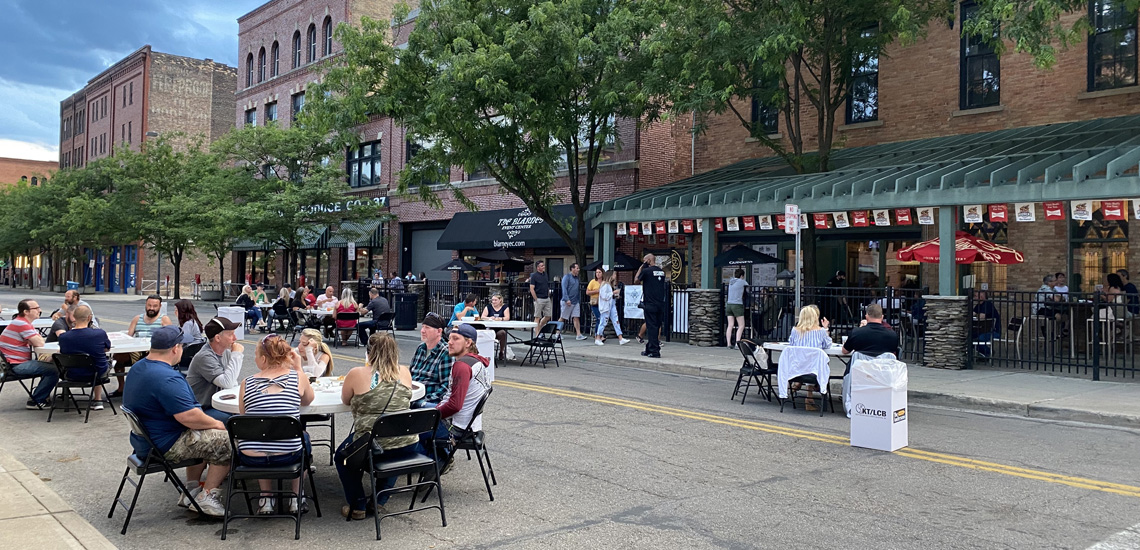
[381, 386]
[316, 357]
[810, 332]
[347, 304]
[607, 310]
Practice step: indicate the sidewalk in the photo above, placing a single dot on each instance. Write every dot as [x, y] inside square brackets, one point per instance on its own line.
[1025, 393]
[9, 296]
[33, 516]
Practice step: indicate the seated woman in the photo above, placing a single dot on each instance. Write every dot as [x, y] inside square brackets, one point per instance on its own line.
[252, 312]
[347, 304]
[809, 333]
[188, 320]
[381, 386]
[316, 357]
[280, 387]
[280, 310]
[498, 311]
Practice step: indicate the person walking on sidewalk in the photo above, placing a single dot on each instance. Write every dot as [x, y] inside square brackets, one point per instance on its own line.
[734, 306]
[607, 308]
[592, 291]
[572, 300]
[540, 292]
[653, 281]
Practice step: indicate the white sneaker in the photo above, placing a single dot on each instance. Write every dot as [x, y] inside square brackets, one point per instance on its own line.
[266, 505]
[580, 337]
[96, 406]
[208, 502]
[623, 342]
[599, 343]
[292, 505]
[184, 500]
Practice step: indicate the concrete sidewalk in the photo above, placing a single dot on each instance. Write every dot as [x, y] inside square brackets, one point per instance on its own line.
[33, 516]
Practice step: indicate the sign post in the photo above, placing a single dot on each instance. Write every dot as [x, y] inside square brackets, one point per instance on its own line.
[792, 227]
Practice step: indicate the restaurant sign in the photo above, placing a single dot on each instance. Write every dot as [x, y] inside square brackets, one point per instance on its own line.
[345, 206]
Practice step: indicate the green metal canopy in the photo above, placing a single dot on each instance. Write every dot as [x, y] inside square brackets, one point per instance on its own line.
[248, 245]
[1096, 159]
[366, 233]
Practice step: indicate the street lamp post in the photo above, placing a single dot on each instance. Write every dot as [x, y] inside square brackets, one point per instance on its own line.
[157, 254]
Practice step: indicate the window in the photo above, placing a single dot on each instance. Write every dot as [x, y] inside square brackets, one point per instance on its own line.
[412, 148]
[328, 35]
[980, 70]
[35, 181]
[298, 103]
[312, 43]
[1112, 45]
[124, 94]
[103, 143]
[104, 115]
[275, 60]
[130, 131]
[122, 133]
[363, 164]
[79, 157]
[270, 112]
[80, 122]
[261, 65]
[251, 117]
[1099, 247]
[249, 70]
[296, 49]
[863, 95]
[131, 93]
[765, 112]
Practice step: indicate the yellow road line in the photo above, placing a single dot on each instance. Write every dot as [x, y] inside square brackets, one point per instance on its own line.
[909, 452]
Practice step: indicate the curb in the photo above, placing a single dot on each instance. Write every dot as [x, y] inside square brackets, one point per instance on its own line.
[56, 526]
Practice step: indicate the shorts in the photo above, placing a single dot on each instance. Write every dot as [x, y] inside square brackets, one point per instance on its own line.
[571, 311]
[543, 308]
[212, 446]
[734, 310]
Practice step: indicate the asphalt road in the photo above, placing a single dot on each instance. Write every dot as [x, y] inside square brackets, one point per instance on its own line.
[601, 456]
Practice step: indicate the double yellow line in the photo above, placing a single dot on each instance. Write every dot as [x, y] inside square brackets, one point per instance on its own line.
[909, 452]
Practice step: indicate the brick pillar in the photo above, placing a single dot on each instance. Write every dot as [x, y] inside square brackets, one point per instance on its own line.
[947, 332]
[704, 316]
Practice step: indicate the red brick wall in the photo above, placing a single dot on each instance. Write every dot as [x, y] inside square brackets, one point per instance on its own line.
[12, 170]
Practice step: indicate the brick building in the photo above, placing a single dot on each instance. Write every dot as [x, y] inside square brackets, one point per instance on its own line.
[146, 92]
[32, 171]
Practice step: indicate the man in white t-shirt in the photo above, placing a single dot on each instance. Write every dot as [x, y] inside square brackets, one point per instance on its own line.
[1061, 285]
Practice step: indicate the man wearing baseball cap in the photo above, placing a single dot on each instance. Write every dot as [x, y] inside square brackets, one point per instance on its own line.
[217, 364]
[469, 382]
[165, 405]
[431, 364]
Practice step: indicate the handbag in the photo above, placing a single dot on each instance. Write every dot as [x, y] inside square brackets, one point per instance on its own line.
[354, 456]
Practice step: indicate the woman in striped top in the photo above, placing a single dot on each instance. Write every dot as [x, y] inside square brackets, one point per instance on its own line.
[280, 387]
[809, 333]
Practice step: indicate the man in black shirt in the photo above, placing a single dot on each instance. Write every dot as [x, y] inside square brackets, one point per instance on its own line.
[872, 338]
[1131, 294]
[540, 292]
[653, 281]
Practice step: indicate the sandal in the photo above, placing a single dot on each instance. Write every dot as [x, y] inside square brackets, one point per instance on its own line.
[356, 515]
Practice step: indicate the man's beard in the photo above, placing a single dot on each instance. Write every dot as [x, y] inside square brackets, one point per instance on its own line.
[152, 313]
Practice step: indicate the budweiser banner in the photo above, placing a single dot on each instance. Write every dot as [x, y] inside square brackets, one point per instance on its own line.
[972, 213]
[718, 224]
[859, 218]
[1054, 210]
[926, 216]
[882, 218]
[660, 227]
[902, 215]
[732, 224]
[780, 221]
[820, 220]
[687, 226]
[634, 228]
[765, 222]
[621, 228]
[1113, 210]
[841, 220]
[674, 226]
[1082, 210]
[999, 213]
[749, 223]
[1024, 212]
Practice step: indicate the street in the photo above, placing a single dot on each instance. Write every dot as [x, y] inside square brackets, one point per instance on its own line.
[604, 456]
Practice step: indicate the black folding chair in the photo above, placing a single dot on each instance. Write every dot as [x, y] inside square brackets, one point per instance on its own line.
[387, 321]
[188, 354]
[153, 463]
[267, 428]
[753, 370]
[68, 364]
[542, 347]
[471, 440]
[413, 422]
[322, 421]
[7, 374]
[338, 330]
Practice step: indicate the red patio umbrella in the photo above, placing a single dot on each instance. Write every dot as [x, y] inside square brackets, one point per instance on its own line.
[967, 250]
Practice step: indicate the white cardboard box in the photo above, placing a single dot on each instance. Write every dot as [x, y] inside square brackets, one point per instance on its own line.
[879, 418]
[237, 315]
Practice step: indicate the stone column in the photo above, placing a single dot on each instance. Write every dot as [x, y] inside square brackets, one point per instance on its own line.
[704, 316]
[947, 332]
[420, 290]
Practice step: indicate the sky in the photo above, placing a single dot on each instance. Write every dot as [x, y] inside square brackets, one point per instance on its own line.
[53, 47]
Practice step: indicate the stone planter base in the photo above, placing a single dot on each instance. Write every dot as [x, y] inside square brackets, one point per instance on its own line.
[947, 332]
[705, 313]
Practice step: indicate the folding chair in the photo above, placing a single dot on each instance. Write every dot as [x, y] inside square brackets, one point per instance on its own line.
[321, 421]
[412, 422]
[347, 316]
[67, 363]
[153, 463]
[541, 347]
[803, 366]
[188, 354]
[7, 374]
[387, 321]
[557, 336]
[471, 440]
[267, 428]
[753, 369]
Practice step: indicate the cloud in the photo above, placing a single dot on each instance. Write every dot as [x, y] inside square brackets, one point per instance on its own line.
[10, 148]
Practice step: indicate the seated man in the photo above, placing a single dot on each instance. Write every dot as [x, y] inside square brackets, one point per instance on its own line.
[216, 366]
[82, 338]
[63, 323]
[431, 365]
[165, 406]
[141, 326]
[396, 284]
[71, 299]
[987, 322]
[328, 302]
[377, 306]
[468, 385]
[16, 343]
[464, 308]
[873, 338]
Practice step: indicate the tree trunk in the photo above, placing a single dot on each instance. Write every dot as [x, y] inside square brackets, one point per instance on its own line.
[176, 260]
[221, 268]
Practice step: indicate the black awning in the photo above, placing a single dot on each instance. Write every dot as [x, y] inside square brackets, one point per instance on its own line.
[510, 228]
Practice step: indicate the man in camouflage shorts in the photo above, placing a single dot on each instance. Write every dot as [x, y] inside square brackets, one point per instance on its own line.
[166, 408]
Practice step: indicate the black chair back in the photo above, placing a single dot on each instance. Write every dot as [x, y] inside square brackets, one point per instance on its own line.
[386, 319]
[1015, 324]
[410, 422]
[256, 427]
[188, 353]
[281, 308]
[69, 362]
[348, 316]
[137, 427]
[478, 409]
[748, 350]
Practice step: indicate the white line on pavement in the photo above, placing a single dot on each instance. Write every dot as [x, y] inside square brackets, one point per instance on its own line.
[1128, 539]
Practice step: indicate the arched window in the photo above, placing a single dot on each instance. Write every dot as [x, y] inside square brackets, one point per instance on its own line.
[328, 35]
[312, 43]
[35, 181]
[296, 49]
[261, 65]
[275, 59]
[249, 70]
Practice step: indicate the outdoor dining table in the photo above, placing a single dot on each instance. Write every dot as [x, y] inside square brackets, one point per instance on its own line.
[501, 325]
[120, 343]
[834, 354]
[326, 397]
[41, 325]
[8, 313]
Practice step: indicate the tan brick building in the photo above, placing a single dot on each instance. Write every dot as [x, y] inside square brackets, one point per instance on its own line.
[32, 171]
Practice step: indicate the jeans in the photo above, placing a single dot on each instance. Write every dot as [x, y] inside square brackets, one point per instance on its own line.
[220, 416]
[364, 328]
[596, 316]
[254, 314]
[350, 478]
[275, 317]
[611, 316]
[48, 373]
[442, 433]
[278, 460]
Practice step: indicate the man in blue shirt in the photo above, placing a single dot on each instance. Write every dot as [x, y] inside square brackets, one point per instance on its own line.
[572, 300]
[165, 406]
[464, 308]
[92, 341]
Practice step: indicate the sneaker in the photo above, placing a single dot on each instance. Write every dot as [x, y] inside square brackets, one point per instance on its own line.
[599, 343]
[447, 466]
[97, 406]
[623, 342]
[208, 502]
[184, 500]
[266, 505]
[33, 406]
[580, 337]
[292, 502]
[357, 515]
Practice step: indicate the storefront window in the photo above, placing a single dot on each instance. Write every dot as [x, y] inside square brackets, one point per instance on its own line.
[985, 274]
[1099, 247]
[367, 259]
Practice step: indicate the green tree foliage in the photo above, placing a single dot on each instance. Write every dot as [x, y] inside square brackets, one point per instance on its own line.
[515, 88]
[1038, 27]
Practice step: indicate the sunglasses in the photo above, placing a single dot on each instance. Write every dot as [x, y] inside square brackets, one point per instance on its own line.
[267, 338]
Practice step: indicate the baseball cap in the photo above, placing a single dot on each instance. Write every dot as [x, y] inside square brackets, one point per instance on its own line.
[165, 337]
[217, 325]
[467, 331]
[434, 320]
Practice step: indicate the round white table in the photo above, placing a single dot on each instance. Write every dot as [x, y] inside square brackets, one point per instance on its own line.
[326, 397]
[505, 325]
[118, 345]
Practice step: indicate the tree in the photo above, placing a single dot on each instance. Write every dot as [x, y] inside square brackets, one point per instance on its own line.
[516, 88]
[1036, 27]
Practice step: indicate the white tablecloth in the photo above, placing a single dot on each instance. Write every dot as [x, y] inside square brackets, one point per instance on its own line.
[326, 398]
[119, 344]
